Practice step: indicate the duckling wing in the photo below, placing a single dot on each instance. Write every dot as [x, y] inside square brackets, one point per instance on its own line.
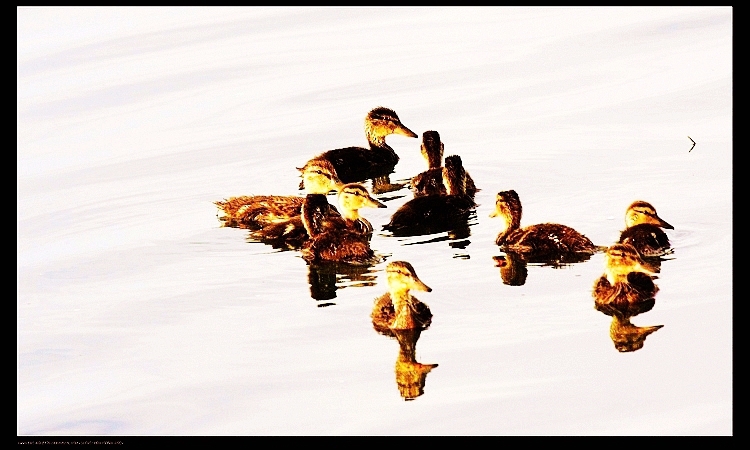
[254, 212]
[341, 245]
[430, 214]
[548, 239]
[290, 234]
[648, 239]
[355, 164]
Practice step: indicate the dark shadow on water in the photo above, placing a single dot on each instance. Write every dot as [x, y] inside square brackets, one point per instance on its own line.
[325, 278]
[513, 266]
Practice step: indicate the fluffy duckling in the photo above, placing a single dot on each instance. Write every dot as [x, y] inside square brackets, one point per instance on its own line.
[644, 230]
[436, 213]
[627, 287]
[398, 309]
[545, 239]
[330, 238]
[430, 182]
[354, 164]
[257, 211]
[292, 233]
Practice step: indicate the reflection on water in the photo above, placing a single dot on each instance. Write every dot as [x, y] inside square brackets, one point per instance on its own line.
[411, 375]
[513, 269]
[625, 290]
[326, 277]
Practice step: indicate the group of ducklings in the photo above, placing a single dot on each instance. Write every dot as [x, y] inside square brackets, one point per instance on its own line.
[443, 197]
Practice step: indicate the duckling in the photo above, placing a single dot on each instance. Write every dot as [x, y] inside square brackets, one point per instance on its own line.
[257, 211]
[354, 164]
[436, 213]
[627, 287]
[398, 309]
[330, 238]
[644, 230]
[291, 233]
[430, 181]
[545, 239]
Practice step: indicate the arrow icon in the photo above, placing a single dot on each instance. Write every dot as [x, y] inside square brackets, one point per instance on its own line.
[691, 148]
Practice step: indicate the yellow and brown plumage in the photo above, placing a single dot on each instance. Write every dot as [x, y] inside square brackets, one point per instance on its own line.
[333, 237]
[257, 211]
[291, 233]
[541, 240]
[436, 213]
[354, 164]
[644, 230]
[430, 182]
[398, 309]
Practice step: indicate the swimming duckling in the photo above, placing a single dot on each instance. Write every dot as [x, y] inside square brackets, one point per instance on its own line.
[398, 309]
[644, 230]
[291, 233]
[430, 181]
[545, 239]
[354, 164]
[257, 211]
[627, 287]
[436, 213]
[330, 238]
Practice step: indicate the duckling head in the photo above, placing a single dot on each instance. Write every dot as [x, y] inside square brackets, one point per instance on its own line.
[315, 210]
[402, 278]
[643, 212]
[381, 122]
[319, 177]
[454, 175]
[508, 209]
[432, 149]
[354, 196]
[621, 259]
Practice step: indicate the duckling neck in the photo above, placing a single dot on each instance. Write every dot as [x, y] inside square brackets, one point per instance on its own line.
[404, 316]
[507, 226]
[350, 214]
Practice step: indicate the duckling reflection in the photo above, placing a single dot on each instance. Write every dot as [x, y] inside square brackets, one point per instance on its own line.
[411, 375]
[436, 213]
[326, 277]
[355, 164]
[513, 269]
[430, 182]
[255, 212]
[625, 290]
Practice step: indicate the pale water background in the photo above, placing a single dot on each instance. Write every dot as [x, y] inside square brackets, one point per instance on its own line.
[138, 315]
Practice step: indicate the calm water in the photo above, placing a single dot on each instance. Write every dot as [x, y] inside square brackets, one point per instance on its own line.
[137, 314]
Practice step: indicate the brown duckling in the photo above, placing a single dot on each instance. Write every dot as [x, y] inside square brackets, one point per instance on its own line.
[545, 239]
[398, 309]
[430, 181]
[627, 287]
[644, 230]
[291, 233]
[354, 164]
[330, 237]
[436, 213]
[257, 211]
